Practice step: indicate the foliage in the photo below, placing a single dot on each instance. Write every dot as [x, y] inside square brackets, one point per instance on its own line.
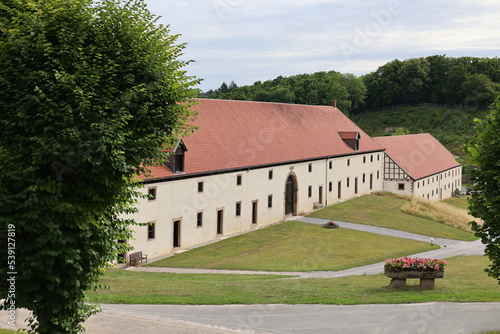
[415, 263]
[320, 88]
[89, 93]
[485, 175]
[465, 81]
[452, 127]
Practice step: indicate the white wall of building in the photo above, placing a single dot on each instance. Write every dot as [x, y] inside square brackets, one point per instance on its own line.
[180, 200]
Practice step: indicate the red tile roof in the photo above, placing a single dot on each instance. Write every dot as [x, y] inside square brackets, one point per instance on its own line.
[418, 155]
[237, 134]
[349, 135]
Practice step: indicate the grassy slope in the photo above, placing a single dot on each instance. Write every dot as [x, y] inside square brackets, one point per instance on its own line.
[384, 211]
[295, 246]
[451, 127]
[464, 281]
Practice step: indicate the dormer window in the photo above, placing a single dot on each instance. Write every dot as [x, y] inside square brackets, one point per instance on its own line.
[176, 161]
[351, 139]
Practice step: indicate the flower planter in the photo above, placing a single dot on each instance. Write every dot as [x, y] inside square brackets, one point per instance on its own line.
[424, 269]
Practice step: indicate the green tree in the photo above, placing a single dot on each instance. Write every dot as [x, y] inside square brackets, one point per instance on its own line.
[485, 175]
[89, 94]
[479, 90]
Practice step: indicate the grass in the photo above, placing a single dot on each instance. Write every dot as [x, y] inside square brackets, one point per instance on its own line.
[461, 203]
[464, 281]
[296, 246]
[7, 331]
[440, 212]
[385, 211]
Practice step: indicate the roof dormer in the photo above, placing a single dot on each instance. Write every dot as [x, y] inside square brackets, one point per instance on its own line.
[176, 160]
[351, 139]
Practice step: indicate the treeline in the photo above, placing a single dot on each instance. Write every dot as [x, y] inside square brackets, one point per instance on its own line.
[465, 81]
[320, 88]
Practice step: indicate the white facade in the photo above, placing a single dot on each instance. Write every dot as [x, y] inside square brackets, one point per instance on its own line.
[197, 209]
[434, 187]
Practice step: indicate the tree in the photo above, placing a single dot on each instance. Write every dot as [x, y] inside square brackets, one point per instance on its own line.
[89, 94]
[485, 175]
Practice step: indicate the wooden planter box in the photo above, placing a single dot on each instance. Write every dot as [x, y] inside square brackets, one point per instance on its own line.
[398, 277]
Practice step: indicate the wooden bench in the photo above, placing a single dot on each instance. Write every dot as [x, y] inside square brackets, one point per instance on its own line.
[137, 257]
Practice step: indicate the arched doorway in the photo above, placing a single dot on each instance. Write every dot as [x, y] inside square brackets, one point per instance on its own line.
[291, 196]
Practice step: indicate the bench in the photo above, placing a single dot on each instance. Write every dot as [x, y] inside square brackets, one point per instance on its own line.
[137, 257]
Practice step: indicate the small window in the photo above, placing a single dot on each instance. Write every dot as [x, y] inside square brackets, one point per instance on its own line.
[151, 230]
[371, 158]
[199, 219]
[270, 201]
[310, 191]
[270, 175]
[348, 162]
[200, 186]
[152, 193]
[378, 175]
[310, 167]
[378, 157]
[364, 159]
[364, 178]
[330, 186]
[347, 184]
[330, 165]
[401, 186]
[238, 180]
[238, 209]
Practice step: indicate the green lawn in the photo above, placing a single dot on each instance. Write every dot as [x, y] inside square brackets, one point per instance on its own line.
[384, 211]
[296, 246]
[461, 203]
[464, 281]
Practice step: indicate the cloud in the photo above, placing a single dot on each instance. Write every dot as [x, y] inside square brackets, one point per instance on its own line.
[250, 40]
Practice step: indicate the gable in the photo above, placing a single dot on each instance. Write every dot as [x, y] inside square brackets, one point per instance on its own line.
[419, 155]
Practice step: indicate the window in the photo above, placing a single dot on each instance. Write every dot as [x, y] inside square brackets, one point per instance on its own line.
[401, 186]
[364, 178]
[330, 165]
[378, 157]
[151, 230]
[199, 219]
[348, 162]
[378, 175]
[270, 176]
[371, 158]
[347, 185]
[238, 209]
[270, 201]
[330, 186]
[310, 191]
[238, 180]
[152, 193]
[364, 159]
[176, 161]
[310, 167]
[200, 186]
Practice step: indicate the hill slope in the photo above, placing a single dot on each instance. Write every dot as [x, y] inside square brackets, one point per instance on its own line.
[452, 127]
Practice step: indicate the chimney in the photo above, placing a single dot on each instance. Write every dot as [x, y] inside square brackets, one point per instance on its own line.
[334, 103]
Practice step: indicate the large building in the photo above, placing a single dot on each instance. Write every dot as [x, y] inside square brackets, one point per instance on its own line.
[419, 165]
[251, 164]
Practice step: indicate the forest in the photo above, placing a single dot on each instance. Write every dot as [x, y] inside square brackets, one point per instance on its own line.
[464, 82]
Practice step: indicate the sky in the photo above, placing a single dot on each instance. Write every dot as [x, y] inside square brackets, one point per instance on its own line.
[255, 40]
